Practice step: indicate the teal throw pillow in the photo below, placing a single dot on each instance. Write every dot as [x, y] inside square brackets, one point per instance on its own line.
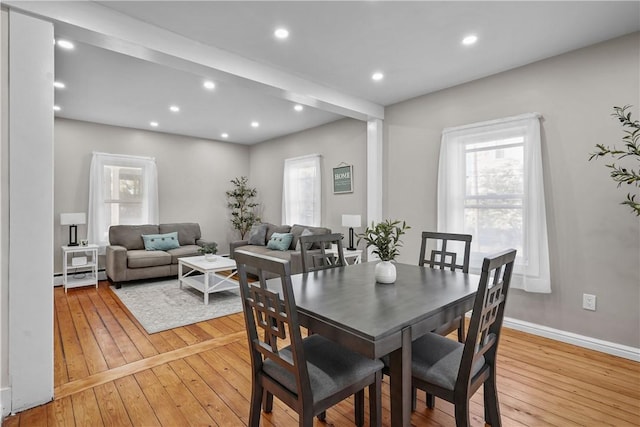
[280, 241]
[161, 242]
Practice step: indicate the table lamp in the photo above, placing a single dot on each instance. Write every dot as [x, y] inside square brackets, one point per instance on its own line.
[351, 221]
[73, 219]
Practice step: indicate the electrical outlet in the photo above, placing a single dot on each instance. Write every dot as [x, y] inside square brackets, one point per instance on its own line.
[589, 302]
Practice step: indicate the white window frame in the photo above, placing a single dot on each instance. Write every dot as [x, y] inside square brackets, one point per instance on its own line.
[297, 199]
[100, 202]
[531, 269]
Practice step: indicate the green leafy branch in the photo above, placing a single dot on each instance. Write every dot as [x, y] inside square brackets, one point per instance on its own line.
[385, 236]
[241, 202]
[631, 140]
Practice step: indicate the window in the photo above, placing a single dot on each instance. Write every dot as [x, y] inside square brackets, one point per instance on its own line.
[123, 190]
[490, 186]
[301, 191]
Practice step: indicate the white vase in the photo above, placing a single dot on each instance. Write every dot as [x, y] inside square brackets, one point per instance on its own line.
[385, 272]
[209, 257]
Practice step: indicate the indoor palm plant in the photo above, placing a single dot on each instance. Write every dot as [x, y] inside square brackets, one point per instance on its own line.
[385, 236]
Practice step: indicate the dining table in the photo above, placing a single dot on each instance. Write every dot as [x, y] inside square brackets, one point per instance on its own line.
[348, 306]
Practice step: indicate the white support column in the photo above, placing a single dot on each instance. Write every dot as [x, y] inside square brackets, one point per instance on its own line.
[374, 174]
[31, 69]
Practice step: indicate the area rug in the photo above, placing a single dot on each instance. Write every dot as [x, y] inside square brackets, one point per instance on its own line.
[162, 305]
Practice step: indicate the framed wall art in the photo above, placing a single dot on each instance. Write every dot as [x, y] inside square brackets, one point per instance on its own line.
[343, 179]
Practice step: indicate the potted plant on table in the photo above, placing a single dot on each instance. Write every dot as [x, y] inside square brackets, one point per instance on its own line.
[385, 236]
[209, 250]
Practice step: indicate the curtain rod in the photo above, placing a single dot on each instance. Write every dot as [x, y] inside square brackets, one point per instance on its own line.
[125, 156]
[494, 122]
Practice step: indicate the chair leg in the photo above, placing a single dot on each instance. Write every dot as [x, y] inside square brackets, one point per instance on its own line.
[305, 418]
[414, 398]
[461, 334]
[322, 416]
[375, 402]
[491, 404]
[256, 398]
[431, 401]
[267, 402]
[462, 413]
[358, 406]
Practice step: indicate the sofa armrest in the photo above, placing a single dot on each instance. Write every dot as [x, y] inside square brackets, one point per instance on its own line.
[203, 243]
[296, 262]
[236, 244]
[116, 266]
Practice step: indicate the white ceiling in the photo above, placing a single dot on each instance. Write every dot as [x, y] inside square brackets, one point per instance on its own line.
[333, 45]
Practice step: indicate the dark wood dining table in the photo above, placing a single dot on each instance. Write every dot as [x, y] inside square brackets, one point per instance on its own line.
[346, 305]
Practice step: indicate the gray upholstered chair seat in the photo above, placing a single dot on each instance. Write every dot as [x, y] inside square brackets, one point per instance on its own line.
[436, 359]
[331, 367]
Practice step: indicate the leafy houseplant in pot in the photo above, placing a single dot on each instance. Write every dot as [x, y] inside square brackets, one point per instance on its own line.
[209, 250]
[241, 201]
[385, 236]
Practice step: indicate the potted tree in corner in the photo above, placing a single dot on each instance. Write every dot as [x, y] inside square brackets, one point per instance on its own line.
[241, 201]
[385, 236]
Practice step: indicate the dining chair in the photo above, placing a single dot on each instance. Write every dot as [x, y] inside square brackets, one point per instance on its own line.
[446, 258]
[310, 374]
[454, 371]
[316, 252]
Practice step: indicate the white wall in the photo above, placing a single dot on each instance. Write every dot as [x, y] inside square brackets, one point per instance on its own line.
[30, 211]
[341, 141]
[5, 401]
[594, 241]
[193, 175]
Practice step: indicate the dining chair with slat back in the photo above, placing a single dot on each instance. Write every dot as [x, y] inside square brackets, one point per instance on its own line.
[310, 374]
[454, 371]
[316, 254]
[443, 257]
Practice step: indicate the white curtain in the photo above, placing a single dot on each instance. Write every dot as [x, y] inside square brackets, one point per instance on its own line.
[464, 179]
[301, 191]
[122, 190]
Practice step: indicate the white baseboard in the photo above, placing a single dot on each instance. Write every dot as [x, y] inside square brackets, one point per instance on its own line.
[608, 347]
[57, 279]
[5, 401]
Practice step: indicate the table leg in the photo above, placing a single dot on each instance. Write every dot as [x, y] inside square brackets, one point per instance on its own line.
[206, 288]
[400, 382]
[180, 273]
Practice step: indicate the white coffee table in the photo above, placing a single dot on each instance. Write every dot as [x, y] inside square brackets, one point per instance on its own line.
[208, 282]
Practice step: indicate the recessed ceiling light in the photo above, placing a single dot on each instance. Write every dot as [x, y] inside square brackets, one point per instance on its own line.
[59, 85]
[224, 135]
[255, 124]
[377, 76]
[65, 44]
[469, 40]
[298, 107]
[56, 108]
[153, 124]
[174, 108]
[281, 33]
[209, 84]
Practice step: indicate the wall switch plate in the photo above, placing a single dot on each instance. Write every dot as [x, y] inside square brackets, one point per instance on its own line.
[589, 302]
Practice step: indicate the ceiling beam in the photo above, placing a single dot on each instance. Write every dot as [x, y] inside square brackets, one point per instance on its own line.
[100, 26]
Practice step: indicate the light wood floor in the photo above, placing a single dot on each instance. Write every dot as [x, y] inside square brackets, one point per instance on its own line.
[109, 371]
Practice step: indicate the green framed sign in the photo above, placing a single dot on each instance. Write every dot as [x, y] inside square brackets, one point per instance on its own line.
[343, 179]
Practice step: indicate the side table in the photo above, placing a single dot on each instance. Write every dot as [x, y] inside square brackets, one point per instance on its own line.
[81, 272]
[355, 255]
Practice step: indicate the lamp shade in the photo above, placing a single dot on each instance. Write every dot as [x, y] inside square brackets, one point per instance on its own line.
[351, 221]
[73, 218]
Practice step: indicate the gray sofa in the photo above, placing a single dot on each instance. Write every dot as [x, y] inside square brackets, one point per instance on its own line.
[292, 254]
[128, 260]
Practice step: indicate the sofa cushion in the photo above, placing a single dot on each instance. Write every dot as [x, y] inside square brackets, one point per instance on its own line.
[183, 251]
[188, 232]
[305, 232]
[140, 258]
[272, 228]
[160, 242]
[297, 230]
[130, 236]
[258, 234]
[280, 241]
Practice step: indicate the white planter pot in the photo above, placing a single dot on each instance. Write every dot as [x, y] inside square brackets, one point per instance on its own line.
[209, 257]
[385, 272]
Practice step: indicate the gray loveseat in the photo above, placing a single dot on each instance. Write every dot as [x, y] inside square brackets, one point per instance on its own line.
[291, 254]
[128, 260]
